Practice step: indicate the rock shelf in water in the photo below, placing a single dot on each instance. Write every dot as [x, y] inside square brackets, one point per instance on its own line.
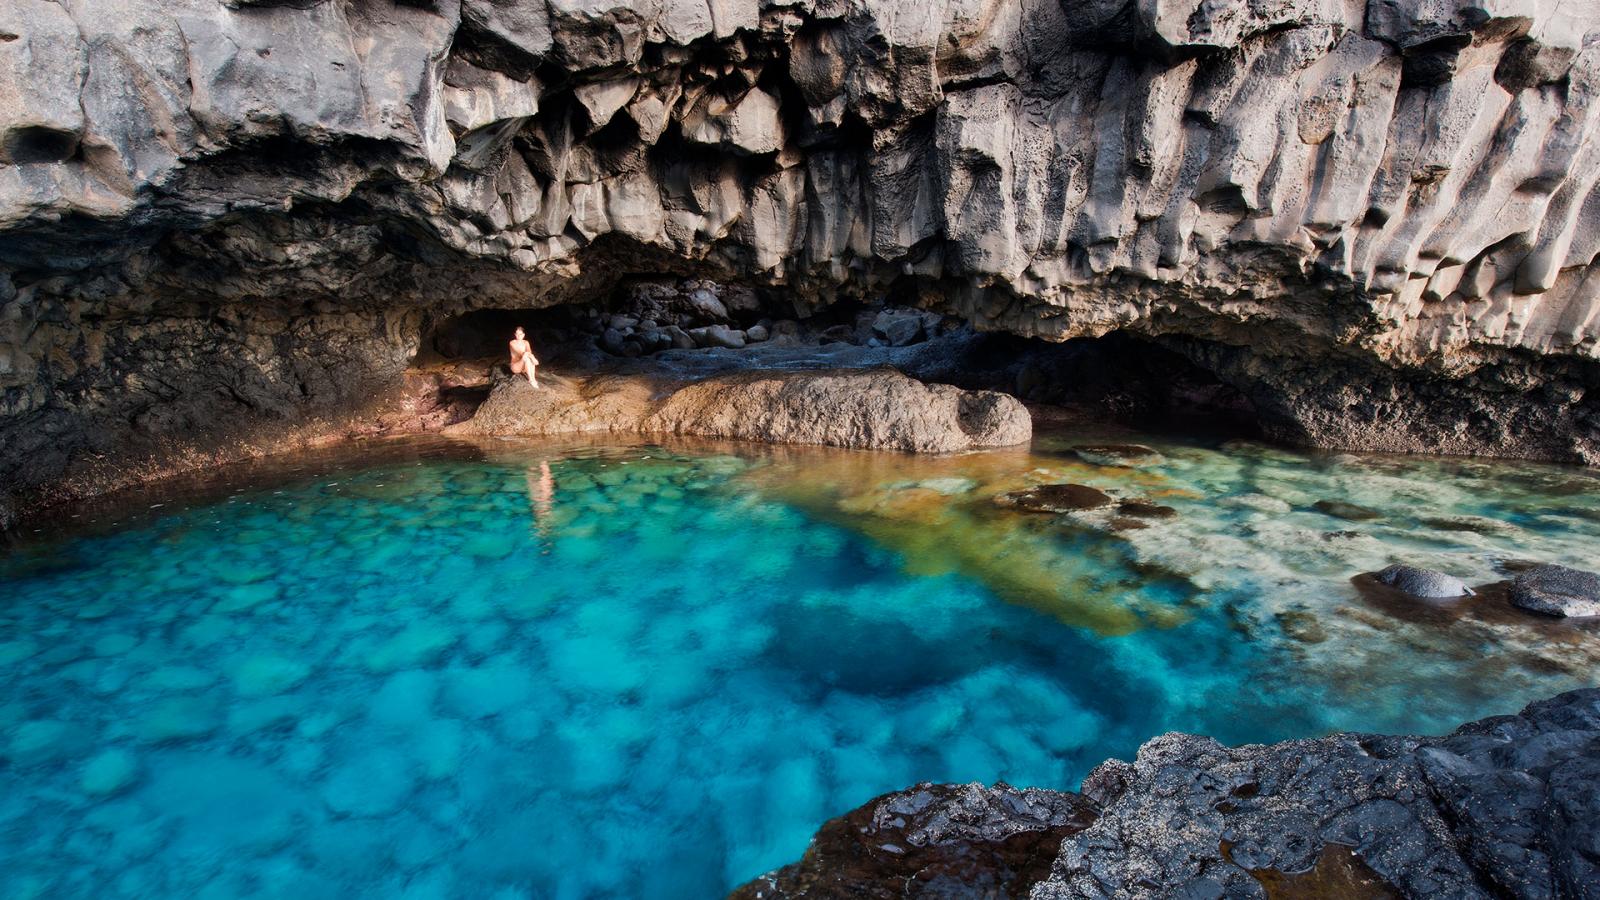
[1505, 806]
[877, 409]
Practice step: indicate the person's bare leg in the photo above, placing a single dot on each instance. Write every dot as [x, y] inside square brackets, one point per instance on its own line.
[528, 366]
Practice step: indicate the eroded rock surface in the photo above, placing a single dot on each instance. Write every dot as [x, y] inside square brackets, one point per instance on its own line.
[1425, 583]
[225, 219]
[933, 840]
[878, 409]
[1506, 806]
[1557, 591]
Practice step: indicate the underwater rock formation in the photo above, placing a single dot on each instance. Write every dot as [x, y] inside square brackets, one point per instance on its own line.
[874, 409]
[1506, 806]
[225, 224]
[1557, 591]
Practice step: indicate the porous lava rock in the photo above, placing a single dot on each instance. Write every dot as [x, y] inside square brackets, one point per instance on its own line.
[933, 841]
[1503, 807]
[1557, 591]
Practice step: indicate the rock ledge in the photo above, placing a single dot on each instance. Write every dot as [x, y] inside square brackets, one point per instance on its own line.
[1505, 806]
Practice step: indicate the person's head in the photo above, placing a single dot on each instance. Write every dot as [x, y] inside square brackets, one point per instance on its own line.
[520, 333]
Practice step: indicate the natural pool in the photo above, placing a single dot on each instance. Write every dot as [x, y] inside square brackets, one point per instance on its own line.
[426, 669]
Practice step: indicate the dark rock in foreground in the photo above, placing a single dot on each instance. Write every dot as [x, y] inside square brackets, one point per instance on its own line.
[1557, 591]
[1506, 806]
[934, 840]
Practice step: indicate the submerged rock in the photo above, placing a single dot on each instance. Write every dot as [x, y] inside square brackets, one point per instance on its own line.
[933, 840]
[109, 772]
[1339, 509]
[1056, 498]
[1501, 807]
[1557, 591]
[1144, 509]
[1117, 454]
[1423, 582]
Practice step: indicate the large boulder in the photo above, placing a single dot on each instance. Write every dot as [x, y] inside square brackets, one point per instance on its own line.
[877, 409]
[1425, 583]
[1557, 591]
[872, 409]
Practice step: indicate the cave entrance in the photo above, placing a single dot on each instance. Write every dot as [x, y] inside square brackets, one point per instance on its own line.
[1145, 382]
[483, 334]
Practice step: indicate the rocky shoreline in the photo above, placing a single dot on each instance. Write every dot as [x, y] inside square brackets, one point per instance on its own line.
[1508, 806]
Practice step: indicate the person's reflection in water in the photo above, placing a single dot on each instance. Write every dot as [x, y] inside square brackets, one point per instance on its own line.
[542, 497]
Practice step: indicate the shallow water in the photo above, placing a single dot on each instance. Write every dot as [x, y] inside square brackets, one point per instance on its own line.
[523, 671]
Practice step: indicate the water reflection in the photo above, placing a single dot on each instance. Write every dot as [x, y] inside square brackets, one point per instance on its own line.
[541, 499]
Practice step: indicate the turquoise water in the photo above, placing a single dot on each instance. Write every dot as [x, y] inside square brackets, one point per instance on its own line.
[642, 672]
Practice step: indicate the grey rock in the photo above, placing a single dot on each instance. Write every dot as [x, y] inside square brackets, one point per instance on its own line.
[755, 334]
[717, 336]
[681, 340]
[1423, 582]
[1506, 806]
[1557, 591]
[612, 341]
[897, 329]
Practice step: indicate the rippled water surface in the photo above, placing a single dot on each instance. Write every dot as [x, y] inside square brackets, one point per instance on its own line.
[428, 670]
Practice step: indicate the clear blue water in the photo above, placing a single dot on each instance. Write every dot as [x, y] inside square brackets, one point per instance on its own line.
[638, 672]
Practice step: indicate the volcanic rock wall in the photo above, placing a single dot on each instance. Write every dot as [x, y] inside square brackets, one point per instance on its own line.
[225, 223]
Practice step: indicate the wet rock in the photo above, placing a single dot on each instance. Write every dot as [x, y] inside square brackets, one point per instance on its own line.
[755, 334]
[1423, 582]
[1144, 509]
[1056, 498]
[1339, 509]
[1473, 524]
[930, 841]
[1557, 591]
[1117, 454]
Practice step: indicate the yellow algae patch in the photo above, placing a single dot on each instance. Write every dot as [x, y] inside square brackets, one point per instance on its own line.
[937, 514]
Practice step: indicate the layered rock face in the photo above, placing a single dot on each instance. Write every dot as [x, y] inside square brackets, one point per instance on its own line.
[1504, 807]
[231, 220]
